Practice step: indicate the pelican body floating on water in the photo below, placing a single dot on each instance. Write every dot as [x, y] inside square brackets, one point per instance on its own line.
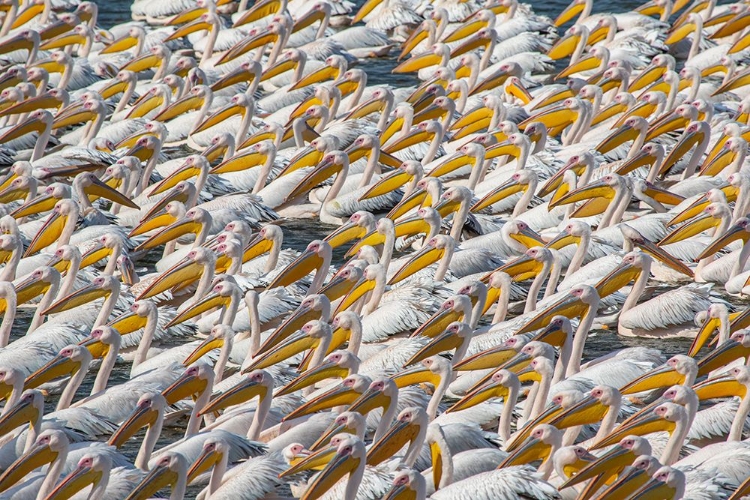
[238, 263]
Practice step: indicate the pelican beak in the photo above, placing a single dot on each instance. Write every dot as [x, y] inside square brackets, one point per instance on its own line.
[736, 232]
[36, 457]
[532, 449]
[142, 416]
[181, 174]
[387, 184]
[43, 101]
[204, 463]
[666, 124]
[619, 136]
[321, 75]
[453, 162]
[258, 11]
[469, 45]
[528, 238]
[416, 375]
[77, 298]
[661, 376]
[564, 46]
[414, 39]
[617, 278]
[209, 302]
[521, 268]
[653, 488]
[238, 163]
[175, 230]
[437, 323]
[29, 288]
[723, 386]
[721, 356]
[446, 341]
[290, 325]
[641, 159]
[291, 347]
[550, 413]
[74, 482]
[555, 181]
[313, 376]
[647, 77]
[308, 157]
[719, 162]
[480, 395]
[185, 386]
[12, 193]
[392, 441]
[244, 391]
[158, 478]
[608, 112]
[569, 13]
[472, 121]
[344, 234]
[322, 172]
[26, 127]
[598, 34]
[48, 234]
[219, 116]
[128, 322]
[644, 109]
[324, 439]
[277, 69]
[413, 137]
[639, 426]
[415, 63]
[596, 189]
[680, 33]
[142, 63]
[208, 345]
[238, 75]
[555, 117]
[198, 24]
[263, 38]
[184, 272]
[739, 46]
[121, 44]
[155, 219]
[418, 197]
[562, 240]
[57, 367]
[369, 400]
[357, 292]
[298, 269]
[62, 41]
[693, 227]
[508, 188]
[16, 43]
[568, 306]
[693, 210]
[188, 103]
[681, 149]
[372, 238]
[584, 64]
[366, 8]
[337, 396]
[102, 190]
[612, 461]
[706, 330]
[426, 256]
[588, 410]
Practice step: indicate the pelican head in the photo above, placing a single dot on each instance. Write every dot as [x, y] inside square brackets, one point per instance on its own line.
[48, 446]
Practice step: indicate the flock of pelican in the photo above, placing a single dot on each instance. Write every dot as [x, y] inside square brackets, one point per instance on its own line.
[478, 228]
